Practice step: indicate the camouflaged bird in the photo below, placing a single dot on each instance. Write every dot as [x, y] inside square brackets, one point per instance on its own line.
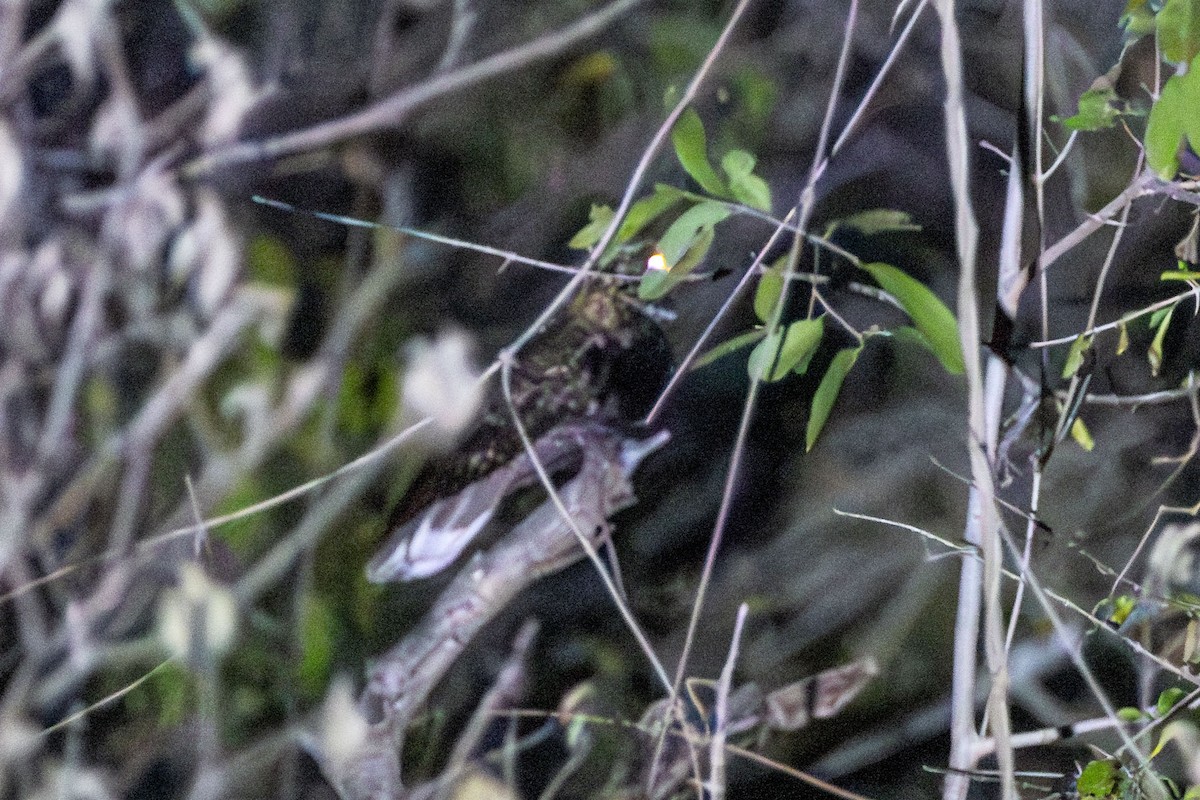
[601, 359]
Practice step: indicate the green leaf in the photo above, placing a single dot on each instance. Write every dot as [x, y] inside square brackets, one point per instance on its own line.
[907, 333]
[778, 354]
[646, 210]
[1170, 731]
[1082, 436]
[1173, 121]
[657, 283]
[1154, 354]
[1075, 355]
[1179, 275]
[827, 393]
[1122, 338]
[747, 187]
[684, 231]
[317, 624]
[1130, 714]
[691, 147]
[1179, 30]
[928, 313]
[1099, 108]
[770, 289]
[1123, 605]
[1099, 779]
[1167, 700]
[729, 346]
[880, 220]
[600, 218]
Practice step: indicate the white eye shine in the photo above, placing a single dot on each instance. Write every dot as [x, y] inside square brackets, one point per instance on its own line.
[657, 263]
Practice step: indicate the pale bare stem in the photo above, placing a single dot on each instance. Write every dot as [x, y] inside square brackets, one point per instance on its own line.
[1137, 551]
[1062, 157]
[104, 701]
[221, 473]
[1074, 651]
[753, 269]
[1150, 309]
[1142, 186]
[503, 694]
[877, 81]
[1034, 29]
[1051, 735]
[460, 30]
[805, 205]
[1188, 391]
[1013, 280]
[716, 774]
[1108, 261]
[70, 373]
[391, 111]
[1035, 493]
[829, 309]
[508, 256]
[1070, 646]
[982, 528]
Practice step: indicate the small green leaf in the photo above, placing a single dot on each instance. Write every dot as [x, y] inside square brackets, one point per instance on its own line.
[928, 313]
[1179, 275]
[1130, 714]
[1082, 436]
[880, 220]
[777, 355]
[691, 147]
[600, 218]
[656, 283]
[683, 232]
[1179, 30]
[1099, 779]
[747, 187]
[1154, 354]
[1122, 605]
[770, 289]
[1099, 108]
[645, 211]
[1075, 355]
[827, 393]
[1122, 338]
[1167, 700]
[729, 346]
[1173, 122]
[1170, 731]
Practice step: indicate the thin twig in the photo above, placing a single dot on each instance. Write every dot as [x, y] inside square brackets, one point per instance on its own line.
[805, 204]
[391, 111]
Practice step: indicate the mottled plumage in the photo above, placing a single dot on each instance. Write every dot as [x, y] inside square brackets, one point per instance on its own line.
[601, 359]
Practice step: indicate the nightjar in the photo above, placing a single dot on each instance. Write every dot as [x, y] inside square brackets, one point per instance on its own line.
[602, 359]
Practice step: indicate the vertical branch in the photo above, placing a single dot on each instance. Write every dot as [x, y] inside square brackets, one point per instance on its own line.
[977, 583]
